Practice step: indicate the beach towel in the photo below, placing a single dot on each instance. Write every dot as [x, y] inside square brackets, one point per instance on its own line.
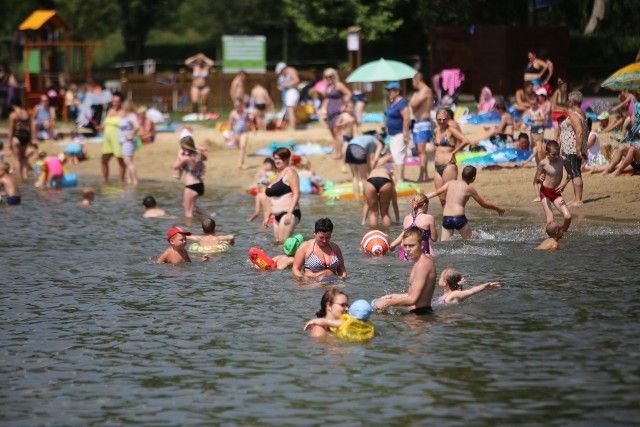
[451, 80]
[372, 118]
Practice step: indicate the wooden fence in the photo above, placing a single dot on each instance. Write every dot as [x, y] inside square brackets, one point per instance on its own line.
[169, 92]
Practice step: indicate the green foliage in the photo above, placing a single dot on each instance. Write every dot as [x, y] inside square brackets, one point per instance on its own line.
[314, 29]
[327, 20]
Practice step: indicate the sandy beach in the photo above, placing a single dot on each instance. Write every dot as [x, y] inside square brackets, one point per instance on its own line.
[511, 188]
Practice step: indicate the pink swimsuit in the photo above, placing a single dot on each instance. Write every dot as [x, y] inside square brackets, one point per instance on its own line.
[54, 165]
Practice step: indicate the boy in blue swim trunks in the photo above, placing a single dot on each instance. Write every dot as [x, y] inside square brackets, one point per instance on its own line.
[421, 104]
[458, 194]
[10, 193]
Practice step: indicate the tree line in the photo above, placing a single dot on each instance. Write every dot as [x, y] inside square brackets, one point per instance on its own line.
[315, 28]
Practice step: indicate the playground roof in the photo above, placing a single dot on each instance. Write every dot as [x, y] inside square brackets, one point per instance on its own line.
[38, 18]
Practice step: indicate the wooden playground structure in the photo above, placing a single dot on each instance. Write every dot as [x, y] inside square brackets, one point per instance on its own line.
[49, 55]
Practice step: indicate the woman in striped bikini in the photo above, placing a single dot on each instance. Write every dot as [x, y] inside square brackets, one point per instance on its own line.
[319, 258]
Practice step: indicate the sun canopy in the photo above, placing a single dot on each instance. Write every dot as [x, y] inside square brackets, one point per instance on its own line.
[38, 18]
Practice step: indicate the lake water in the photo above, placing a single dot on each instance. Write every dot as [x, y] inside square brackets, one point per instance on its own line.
[93, 333]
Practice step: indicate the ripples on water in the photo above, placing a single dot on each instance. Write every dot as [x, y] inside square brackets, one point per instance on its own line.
[93, 333]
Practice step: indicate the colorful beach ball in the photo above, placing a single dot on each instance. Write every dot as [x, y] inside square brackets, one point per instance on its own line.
[375, 243]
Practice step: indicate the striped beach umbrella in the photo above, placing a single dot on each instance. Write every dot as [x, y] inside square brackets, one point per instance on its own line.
[625, 78]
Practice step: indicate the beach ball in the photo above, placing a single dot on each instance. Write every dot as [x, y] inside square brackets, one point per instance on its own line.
[375, 243]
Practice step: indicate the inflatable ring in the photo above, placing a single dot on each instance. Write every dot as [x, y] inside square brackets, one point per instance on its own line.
[195, 248]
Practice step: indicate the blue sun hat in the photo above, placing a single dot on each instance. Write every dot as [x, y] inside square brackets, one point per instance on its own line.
[360, 310]
[392, 85]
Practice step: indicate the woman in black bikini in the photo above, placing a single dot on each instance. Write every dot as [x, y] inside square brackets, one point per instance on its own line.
[448, 141]
[380, 192]
[535, 69]
[282, 197]
[191, 161]
[20, 137]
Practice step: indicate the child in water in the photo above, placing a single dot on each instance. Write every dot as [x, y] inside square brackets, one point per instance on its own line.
[151, 209]
[239, 125]
[51, 171]
[263, 178]
[537, 153]
[88, 194]
[555, 232]
[309, 183]
[354, 326]
[210, 239]
[177, 253]
[418, 218]
[451, 282]
[289, 248]
[549, 174]
[10, 193]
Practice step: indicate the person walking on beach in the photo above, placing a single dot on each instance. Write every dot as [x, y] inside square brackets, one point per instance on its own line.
[448, 140]
[128, 127]
[288, 80]
[397, 126]
[262, 103]
[111, 145]
[336, 95]
[573, 141]
[200, 64]
[549, 174]
[238, 124]
[421, 104]
[237, 89]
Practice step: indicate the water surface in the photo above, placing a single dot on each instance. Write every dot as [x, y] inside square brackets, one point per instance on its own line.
[93, 333]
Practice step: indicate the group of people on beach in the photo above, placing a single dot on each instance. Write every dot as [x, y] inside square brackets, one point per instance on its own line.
[367, 154]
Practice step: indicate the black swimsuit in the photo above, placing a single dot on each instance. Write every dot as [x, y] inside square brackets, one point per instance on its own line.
[378, 182]
[21, 131]
[277, 189]
[444, 142]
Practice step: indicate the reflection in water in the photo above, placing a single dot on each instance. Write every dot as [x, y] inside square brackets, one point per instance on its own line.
[95, 334]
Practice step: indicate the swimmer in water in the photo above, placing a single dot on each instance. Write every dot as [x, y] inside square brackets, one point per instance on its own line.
[354, 325]
[451, 282]
[555, 232]
[151, 209]
[177, 253]
[210, 239]
[422, 279]
[289, 248]
[88, 194]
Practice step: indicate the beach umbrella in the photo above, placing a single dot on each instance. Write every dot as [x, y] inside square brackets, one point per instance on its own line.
[381, 71]
[625, 78]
